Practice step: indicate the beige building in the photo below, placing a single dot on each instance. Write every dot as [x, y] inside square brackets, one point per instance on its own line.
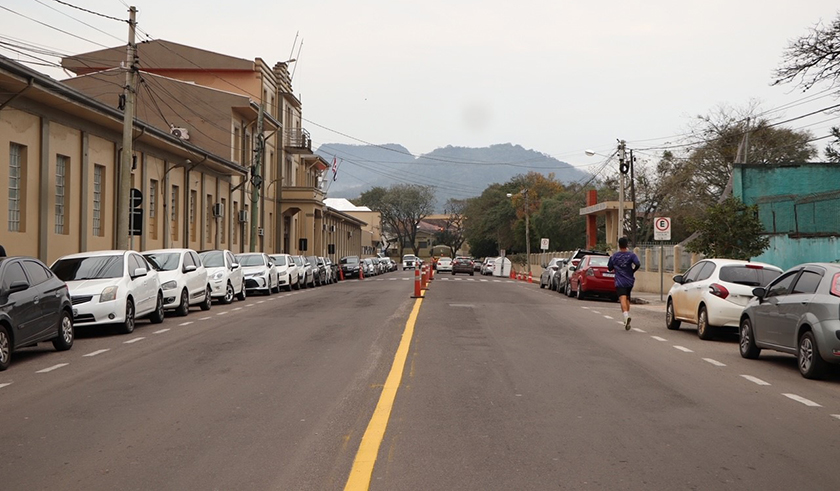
[200, 90]
[371, 242]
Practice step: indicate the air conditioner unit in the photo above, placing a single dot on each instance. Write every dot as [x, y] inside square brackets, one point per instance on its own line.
[243, 216]
[260, 231]
[181, 133]
[324, 227]
[218, 210]
[332, 228]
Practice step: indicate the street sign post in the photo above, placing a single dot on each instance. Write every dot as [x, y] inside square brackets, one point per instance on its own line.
[661, 231]
[544, 244]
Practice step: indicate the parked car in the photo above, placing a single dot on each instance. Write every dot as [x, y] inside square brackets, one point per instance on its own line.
[369, 270]
[591, 278]
[477, 264]
[305, 271]
[444, 264]
[333, 267]
[287, 271]
[35, 306]
[487, 267]
[326, 270]
[462, 265]
[183, 279]
[350, 266]
[259, 272]
[547, 276]
[318, 271]
[565, 271]
[796, 314]
[409, 261]
[713, 293]
[111, 287]
[224, 274]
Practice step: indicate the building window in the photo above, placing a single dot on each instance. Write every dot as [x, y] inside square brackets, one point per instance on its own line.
[98, 193]
[174, 214]
[236, 144]
[288, 178]
[153, 190]
[224, 220]
[17, 179]
[193, 200]
[210, 219]
[61, 164]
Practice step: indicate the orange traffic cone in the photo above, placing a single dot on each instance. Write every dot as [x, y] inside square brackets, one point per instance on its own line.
[530, 277]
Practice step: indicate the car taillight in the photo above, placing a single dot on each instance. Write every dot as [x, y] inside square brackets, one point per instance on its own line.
[835, 285]
[590, 272]
[754, 266]
[718, 290]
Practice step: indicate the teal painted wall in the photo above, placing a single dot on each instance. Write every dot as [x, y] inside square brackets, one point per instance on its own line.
[799, 208]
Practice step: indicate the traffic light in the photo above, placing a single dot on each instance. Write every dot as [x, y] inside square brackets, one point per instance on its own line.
[624, 167]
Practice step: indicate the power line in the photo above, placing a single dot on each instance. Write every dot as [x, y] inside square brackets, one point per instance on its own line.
[89, 11]
[52, 27]
[81, 21]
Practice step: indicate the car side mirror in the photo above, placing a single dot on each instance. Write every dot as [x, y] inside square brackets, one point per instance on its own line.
[270, 264]
[138, 272]
[18, 286]
[572, 268]
[759, 292]
[678, 278]
[189, 268]
[234, 266]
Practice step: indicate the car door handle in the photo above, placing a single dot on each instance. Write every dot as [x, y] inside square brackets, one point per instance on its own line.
[36, 300]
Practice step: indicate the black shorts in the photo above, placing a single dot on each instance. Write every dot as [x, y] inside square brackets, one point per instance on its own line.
[622, 291]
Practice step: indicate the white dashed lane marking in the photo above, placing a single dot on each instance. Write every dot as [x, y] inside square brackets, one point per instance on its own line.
[54, 367]
[484, 280]
[634, 328]
[161, 331]
[133, 340]
[684, 349]
[261, 301]
[185, 323]
[658, 338]
[755, 380]
[835, 416]
[237, 308]
[595, 312]
[222, 313]
[714, 362]
[205, 318]
[801, 399]
[607, 317]
[98, 352]
[5, 385]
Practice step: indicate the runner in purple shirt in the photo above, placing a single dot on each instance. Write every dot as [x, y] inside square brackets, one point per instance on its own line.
[625, 264]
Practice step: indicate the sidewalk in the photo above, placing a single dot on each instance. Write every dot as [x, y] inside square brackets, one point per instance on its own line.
[650, 300]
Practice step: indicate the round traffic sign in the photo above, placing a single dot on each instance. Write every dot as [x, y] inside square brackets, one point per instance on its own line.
[662, 224]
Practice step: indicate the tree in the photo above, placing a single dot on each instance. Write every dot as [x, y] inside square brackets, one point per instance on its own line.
[402, 207]
[730, 230]
[453, 233]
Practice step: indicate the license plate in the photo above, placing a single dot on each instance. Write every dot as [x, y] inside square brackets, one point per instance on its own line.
[609, 275]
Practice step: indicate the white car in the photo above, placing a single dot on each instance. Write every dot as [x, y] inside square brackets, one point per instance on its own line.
[714, 292]
[409, 261]
[305, 273]
[224, 275]
[287, 271]
[183, 279]
[259, 272]
[111, 287]
[444, 264]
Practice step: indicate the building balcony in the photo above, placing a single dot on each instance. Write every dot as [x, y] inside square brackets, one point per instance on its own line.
[303, 194]
[298, 141]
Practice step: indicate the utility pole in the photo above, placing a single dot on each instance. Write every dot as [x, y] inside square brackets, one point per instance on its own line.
[527, 230]
[633, 224]
[124, 189]
[256, 178]
[623, 168]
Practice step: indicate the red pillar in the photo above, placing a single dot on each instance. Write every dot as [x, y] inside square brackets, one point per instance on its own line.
[591, 220]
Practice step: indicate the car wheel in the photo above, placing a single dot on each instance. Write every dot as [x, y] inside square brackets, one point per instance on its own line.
[296, 286]
[228, 298]
[580, 293]
[64, 340]
[128, 325]
[569, 292]
[704, 330]
[671, 321]
[811, 364]
[183, 307]
[157, 315]
[541, 283]
[242, 294]
[205, 305]
[747, 340]
[5, 348]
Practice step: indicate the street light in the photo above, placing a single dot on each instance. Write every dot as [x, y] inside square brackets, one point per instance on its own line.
[524, 193]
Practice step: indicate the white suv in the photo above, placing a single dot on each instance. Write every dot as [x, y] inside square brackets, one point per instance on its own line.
[409, 261]
[111, 287]
[224, 274]
[183, 279]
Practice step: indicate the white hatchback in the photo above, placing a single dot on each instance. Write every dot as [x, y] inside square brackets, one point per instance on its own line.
[183, 279]
[111, 287]
[225, 275]
[714, 292]
[287, 271]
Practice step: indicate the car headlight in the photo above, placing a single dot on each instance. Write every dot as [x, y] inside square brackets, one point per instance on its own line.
[169, 285]
[218, 275]
[108, 294]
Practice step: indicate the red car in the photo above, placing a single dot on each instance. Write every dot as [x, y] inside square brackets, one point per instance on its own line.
[591, 278]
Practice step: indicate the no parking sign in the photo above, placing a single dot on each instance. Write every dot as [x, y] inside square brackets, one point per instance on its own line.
[662, 228]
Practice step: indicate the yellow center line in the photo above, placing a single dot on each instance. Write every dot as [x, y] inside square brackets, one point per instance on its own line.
[362, 471]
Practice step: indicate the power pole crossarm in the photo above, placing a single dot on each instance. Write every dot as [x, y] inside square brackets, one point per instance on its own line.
[124, 188]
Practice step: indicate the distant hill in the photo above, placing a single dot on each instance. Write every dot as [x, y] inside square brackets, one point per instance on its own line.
[454, 172]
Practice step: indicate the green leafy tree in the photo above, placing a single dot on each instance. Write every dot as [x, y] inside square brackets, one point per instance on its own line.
[729, 229]
[453, 233]
[402, 207]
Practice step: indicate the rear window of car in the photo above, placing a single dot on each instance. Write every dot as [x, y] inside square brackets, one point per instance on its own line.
[349, 260]
[598, 261]
[749, 276]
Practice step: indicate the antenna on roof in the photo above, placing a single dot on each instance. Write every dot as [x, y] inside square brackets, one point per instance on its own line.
[292, 52]
[296, 60]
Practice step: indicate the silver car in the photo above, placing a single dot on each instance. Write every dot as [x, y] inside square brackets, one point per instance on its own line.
[797, 314]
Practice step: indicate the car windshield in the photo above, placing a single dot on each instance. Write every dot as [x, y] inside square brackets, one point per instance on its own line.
[598, 261]
[312, 260]
[89, 268]
[748, 275]
[212, 259]
[279, 260]
[349, 260]
[251, 260]
[164, 261]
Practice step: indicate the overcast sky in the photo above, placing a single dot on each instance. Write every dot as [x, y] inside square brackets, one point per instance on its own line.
[555, 76]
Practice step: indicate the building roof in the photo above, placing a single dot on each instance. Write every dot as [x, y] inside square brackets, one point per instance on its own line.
[342, 204]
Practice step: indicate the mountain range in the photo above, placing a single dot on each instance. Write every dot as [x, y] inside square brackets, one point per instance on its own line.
[454, 172]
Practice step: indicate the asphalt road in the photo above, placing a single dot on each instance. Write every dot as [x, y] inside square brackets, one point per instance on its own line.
[506, 386]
